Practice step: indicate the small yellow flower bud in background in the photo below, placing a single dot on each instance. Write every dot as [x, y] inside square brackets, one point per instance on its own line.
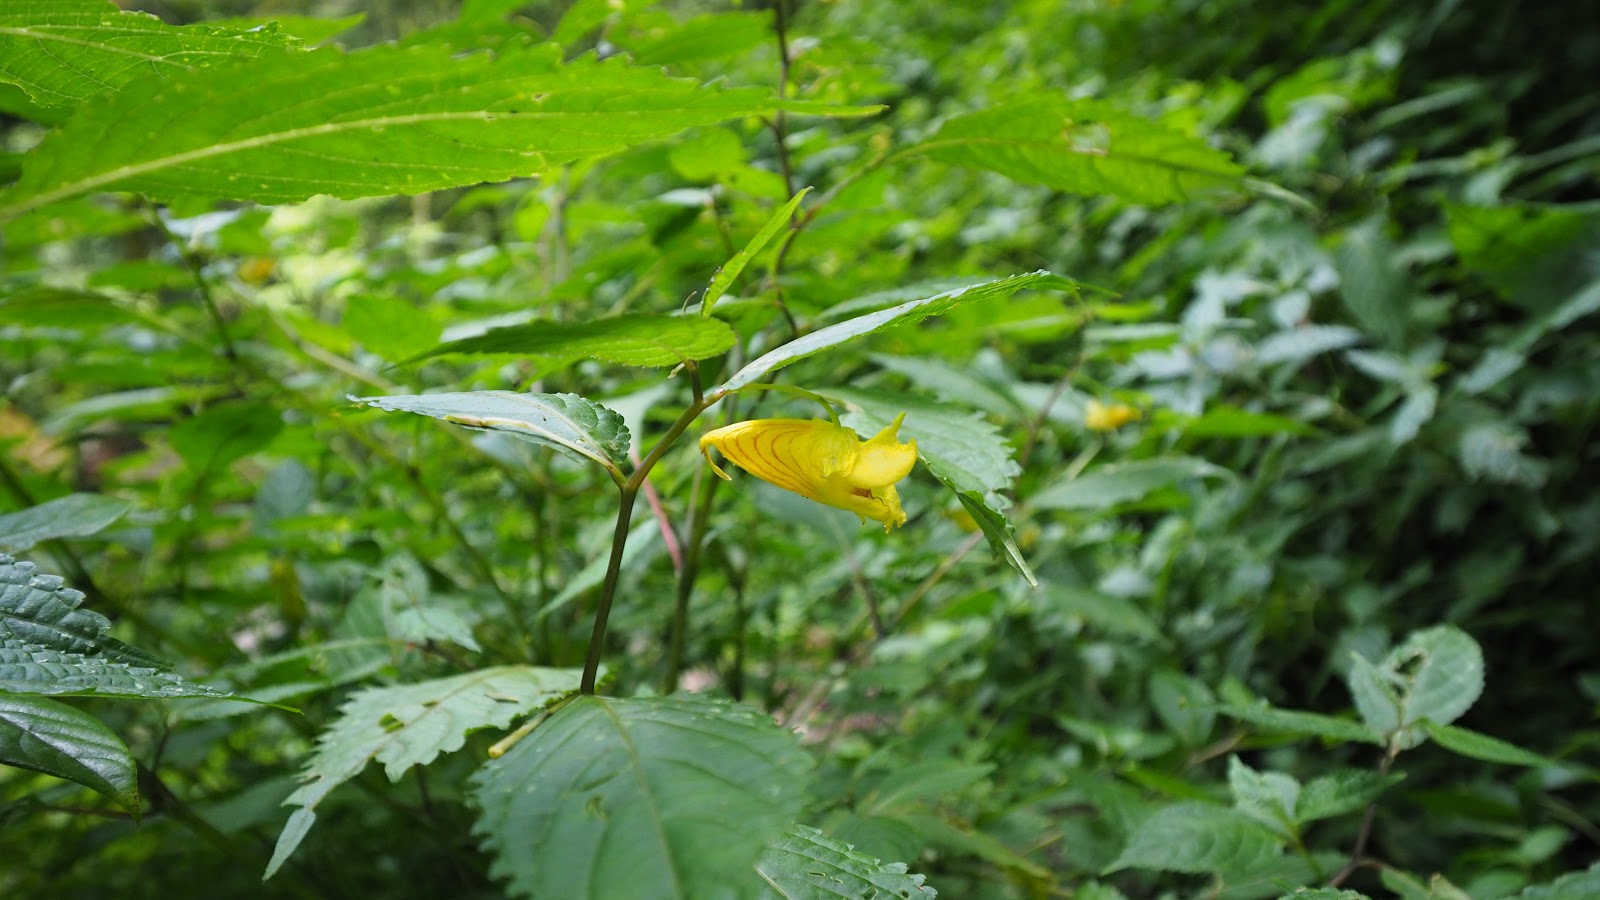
[821, 461]
[1100, 417]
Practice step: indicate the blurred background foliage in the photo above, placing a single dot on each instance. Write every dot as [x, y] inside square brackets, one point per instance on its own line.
[1360, 417]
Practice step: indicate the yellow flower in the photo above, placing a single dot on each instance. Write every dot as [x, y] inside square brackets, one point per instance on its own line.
[1100, 417]
[822, 461]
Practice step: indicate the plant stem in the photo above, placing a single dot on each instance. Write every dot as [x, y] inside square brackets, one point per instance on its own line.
[699, 522]
[628, 492]
[1358, 851]
[608, 591]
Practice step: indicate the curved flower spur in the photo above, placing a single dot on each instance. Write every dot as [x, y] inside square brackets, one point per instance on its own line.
[821, 461]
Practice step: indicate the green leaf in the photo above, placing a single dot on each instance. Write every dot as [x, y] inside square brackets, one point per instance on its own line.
[307, 28]
[33, 669]
[62, 52]
[729, 272]
[40, 610]
[1481, 746]
[74, 515]
[62, 308]
[1288, 721]
[577, 427]
[56, 739]
[805, 864]
[634, 340]
[1084, 147]
[224, 433]
[390, 119]
[410, 725]
[1267, 797]
[1436, 674]
[1323, 894]
[1583, 885]
[961, 449]
[1199, 838]
[678, 793]
[1372, 284]
[1116, 615]
[900, 314]
[389, 326]
[996, 530]
[1117, 483]
[1184, 703]
[702, 37]
[1341, 792]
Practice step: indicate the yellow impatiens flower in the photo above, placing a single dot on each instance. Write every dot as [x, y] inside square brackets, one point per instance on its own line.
[822, 461]
[1100, 417]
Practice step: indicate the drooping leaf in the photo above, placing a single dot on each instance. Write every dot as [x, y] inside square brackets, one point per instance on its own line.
[729, 271]
[62, 52]
[633, 340]
[1117, 483]
[961, 449]
[32, 669]
[577, 427]
[900, 314]
[1200, 838]
[410, 725]
[679, 793]
[386, 120]
[1084, 147]
[805, 864]
[56, 739]
[1435, 675]
[74, 515]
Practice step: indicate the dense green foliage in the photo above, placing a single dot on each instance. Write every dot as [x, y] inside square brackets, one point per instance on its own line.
[355, 367]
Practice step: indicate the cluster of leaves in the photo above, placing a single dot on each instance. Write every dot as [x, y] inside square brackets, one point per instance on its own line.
[1291, 632]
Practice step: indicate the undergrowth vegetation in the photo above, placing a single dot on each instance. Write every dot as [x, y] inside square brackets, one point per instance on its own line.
[1168, 469]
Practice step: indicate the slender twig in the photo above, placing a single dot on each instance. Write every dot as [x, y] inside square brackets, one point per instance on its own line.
[1359, 849]
[196, 267]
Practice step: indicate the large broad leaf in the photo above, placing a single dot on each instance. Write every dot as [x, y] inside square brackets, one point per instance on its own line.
[1435, 675]
[50, 646]
[1118, 483]
[639, 340]
[900, 314]
[411, 724]
[1086, 148]
[579, 428]
[961, 449]
[74, 515]
[670, 797]
[62, 52]
[806, 864]
[386, 120]
[56, 739]
[1200, 838]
